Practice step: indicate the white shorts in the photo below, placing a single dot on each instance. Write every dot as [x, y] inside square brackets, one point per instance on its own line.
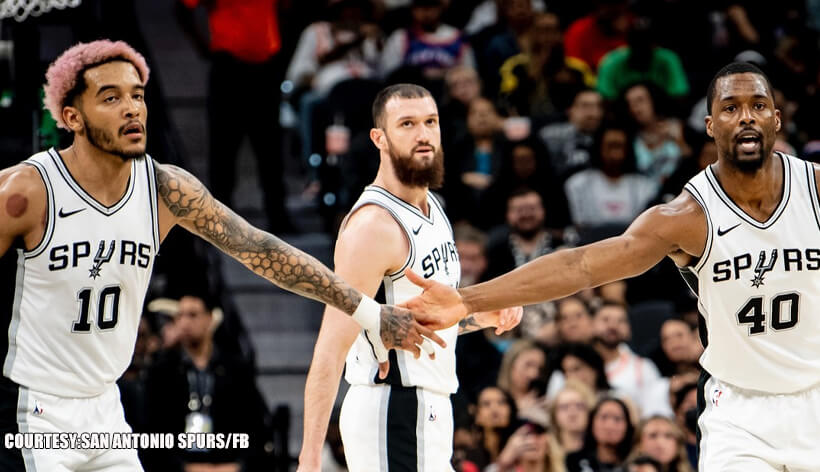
[748, 431]
[39, 412]
[396, 429]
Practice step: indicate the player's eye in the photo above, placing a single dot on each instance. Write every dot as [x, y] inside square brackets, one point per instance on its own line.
[407, 124]
[138, 97]
[110, 99]
[760, 106]
[729, 108]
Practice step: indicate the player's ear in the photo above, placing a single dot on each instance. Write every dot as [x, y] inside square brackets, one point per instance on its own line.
[709, 126]
[377, 136]
[777, 121]
[73, 118]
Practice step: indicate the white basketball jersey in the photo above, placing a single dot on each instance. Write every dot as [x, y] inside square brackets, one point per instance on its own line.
[758, 285]
[432, 255]
[73, 315]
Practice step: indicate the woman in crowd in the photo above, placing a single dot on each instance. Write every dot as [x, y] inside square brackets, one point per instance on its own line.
[569, 415]
[608, 439]
[661, 439]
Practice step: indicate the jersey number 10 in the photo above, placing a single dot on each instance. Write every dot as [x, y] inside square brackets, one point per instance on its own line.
[108, 308]
[752, 313]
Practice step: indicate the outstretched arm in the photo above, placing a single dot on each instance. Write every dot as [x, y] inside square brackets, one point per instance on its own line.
[188, 203]
[677, 229]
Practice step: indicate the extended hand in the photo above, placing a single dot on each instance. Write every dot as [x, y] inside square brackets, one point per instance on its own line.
[503, 320]
[439, 306]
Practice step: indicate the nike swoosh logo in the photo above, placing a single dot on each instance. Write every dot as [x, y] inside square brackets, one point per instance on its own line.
[721, 232]
[416, 231]
[63, 213]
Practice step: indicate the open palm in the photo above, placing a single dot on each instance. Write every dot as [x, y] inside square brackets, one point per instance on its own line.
[439, 306]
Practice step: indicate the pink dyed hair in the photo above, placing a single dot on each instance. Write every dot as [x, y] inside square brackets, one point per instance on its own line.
[63, 73]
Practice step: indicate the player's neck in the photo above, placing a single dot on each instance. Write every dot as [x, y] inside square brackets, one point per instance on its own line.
[102, 175]
[416, 196]
[758, 192]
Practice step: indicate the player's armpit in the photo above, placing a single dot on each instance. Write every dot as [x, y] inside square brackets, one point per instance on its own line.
[23, 206]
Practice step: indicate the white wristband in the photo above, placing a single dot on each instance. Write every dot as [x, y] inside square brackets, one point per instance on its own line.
[368, 315]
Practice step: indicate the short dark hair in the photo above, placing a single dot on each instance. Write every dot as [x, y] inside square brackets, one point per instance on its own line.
[398, 90]
[732, 69]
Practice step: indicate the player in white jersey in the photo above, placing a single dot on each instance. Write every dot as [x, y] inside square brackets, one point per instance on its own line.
[746, 234]
[402, 422]
[79, 231]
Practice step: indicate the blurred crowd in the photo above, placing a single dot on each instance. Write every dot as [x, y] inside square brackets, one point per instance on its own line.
[561, 122]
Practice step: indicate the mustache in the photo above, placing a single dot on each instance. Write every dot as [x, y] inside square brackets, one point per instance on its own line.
[748, 130]
[123, 127]
[420, 145]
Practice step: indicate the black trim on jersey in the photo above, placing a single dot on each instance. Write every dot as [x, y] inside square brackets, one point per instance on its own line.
[152, 200]
[814, 198]
[690, 277]
[91, 201]
[50, 209]
[432, 196]
[709, 236]
[785, 195]
[401, 202]
[402, 443]
[11, 459]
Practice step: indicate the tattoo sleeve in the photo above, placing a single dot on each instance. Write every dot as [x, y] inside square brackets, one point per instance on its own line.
[468, 325]
[263, 253]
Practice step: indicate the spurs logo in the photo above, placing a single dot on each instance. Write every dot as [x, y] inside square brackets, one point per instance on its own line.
[99, 259]
[761, 268]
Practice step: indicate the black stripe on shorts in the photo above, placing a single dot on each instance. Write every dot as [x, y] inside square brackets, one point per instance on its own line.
[402, 411]
[11, 460]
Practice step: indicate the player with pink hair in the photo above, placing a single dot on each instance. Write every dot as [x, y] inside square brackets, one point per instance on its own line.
[79, 230]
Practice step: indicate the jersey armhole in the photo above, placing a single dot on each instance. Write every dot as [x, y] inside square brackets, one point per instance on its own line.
[411, 254]
[698, 263]
[49, 231]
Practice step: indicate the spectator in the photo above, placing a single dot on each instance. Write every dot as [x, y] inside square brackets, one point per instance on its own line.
[535, 82]
[608, 439]
[594, 35]
[494, 415]
[522, 374]
[345, 47]
[681, 346]
[660, 438]
[633, 376]
[462, 86]
[686, 414]
[471, 245]
[643, 464]
[574, 320]
[571, 143]
[532, 448]
[428, 45]
[704, 153]
[475, 163]
[579, 363]
[197, 389]
[609, 192]
[246, 67]
[642, 60]
[658, 141]
[569, 415]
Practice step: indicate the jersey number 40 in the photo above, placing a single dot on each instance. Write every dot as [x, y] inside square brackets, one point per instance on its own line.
[784, 313]
[108, 308]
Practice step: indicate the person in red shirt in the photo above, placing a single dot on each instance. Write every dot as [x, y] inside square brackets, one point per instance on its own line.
[243, 95]
[590, 37]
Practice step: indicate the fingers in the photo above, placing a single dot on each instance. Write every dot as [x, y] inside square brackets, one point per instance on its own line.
[427, 346]
[417, 279]
[509, 319]
[431, 335]
[384, 368]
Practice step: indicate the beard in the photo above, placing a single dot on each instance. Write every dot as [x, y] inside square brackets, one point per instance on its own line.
[750, 166]
[104, 141]
[414, 174]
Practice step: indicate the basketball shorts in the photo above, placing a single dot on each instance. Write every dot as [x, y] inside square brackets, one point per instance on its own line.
[27, 411]
[750, 431]
[396, 429]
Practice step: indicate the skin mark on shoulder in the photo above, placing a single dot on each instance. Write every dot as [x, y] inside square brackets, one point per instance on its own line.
[16, 205]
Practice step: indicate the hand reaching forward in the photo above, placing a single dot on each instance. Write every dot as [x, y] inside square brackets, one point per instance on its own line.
[439, 306]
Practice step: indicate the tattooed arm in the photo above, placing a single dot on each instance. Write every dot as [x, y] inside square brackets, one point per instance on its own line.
[502, 320]
[192, 206]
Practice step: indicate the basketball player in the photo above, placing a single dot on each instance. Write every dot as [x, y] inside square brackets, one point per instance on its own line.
[79, 232]
[404, 422]
[745, 233]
